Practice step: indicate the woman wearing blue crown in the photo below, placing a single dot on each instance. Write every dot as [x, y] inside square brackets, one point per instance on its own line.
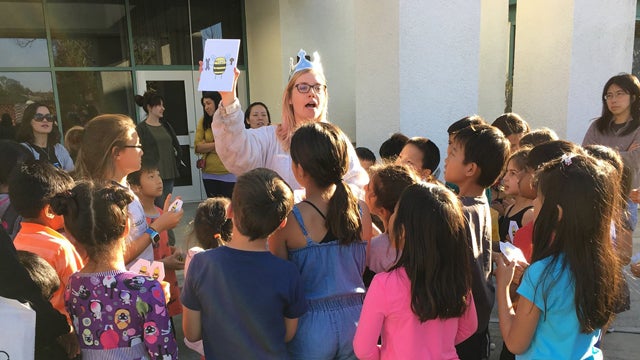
[304, 101]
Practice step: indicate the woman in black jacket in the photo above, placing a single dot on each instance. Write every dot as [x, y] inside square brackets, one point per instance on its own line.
[159, 142]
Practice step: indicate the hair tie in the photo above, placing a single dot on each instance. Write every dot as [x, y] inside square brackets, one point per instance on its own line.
[217, 236]
[567, 159]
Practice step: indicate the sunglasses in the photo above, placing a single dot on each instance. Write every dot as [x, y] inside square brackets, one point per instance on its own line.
[42, 117]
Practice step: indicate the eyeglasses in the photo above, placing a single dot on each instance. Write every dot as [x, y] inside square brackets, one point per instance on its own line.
[137, 146]
[42, 117]
[304, 88]
[617, 94]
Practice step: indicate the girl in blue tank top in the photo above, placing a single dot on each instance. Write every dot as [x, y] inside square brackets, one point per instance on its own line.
[325, 236]
[568, 292]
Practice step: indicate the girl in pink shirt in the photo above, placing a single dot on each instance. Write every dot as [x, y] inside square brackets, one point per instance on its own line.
[423, 306]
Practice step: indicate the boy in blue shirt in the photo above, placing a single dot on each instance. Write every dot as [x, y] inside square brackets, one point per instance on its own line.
[475, 158]
[243, 302]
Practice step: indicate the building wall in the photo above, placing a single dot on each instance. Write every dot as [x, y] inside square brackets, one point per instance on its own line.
[377, 72]
[430, 57]
[565, 52]
[494, 57]
[264, 50]
[286, 26]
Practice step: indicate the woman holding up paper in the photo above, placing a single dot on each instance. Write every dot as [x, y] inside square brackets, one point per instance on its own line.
[304, 101]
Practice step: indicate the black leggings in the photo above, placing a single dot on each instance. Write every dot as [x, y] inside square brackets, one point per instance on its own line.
[217, 188]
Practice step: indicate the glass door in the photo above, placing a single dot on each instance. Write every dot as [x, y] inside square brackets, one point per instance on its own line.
[177, 88]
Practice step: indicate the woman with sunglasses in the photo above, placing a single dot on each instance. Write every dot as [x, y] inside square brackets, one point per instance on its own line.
[304, 101]
[39, 133]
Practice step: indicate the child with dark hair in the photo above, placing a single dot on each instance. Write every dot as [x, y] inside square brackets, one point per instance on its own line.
[41, 272]
[367, 157]
[386, 184]
[463, 123]
[475, 158]
[423, 306]
[391, 148]
[621, 233]
[566, 293]
[521, 211]
[537, 137]
[513, 127]
[422, 155]
[13, 154]
[211, 228]
[147, 185]
[32, 187]
[54, 337]
[326, 238]
[537, 157]
[116, 313]
[254, 312]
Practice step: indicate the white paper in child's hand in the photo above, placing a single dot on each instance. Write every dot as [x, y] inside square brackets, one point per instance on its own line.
[153, 269]
[512, 252]
[219, 59]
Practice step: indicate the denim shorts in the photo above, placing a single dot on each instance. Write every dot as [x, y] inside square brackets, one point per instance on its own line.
[326, 331]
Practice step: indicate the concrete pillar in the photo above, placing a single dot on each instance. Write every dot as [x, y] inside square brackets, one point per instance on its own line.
[264, 53]
[417, 68]
[494, 58]
[565, 51]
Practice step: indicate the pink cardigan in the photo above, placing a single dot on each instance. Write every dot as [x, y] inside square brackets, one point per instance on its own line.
[387, 311]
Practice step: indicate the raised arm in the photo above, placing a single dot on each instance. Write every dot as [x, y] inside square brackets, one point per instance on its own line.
[240, 149]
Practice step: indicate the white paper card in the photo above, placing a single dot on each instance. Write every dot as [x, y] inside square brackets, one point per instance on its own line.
[219, 59]
[153, 269]
[512, 252]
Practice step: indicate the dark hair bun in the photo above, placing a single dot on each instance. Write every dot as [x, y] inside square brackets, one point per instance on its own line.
[139, 99]
[63, 203]
[116, 195]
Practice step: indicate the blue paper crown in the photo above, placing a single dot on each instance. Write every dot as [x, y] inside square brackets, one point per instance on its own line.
[304, 63]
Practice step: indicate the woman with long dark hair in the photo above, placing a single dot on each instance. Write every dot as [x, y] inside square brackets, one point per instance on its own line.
[39, 133]
[216, 178]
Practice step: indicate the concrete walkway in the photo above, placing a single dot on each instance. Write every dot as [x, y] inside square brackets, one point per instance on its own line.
[622, 344]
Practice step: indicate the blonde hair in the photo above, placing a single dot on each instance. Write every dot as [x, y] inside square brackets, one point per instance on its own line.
[101, 135]
[289, 125]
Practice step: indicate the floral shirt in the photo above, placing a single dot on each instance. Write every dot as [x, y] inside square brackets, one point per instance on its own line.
[120, 314]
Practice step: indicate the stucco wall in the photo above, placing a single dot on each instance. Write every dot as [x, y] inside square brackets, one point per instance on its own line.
[565, 52]
[264, 50]
[494, 57]
[377, 87]
[439, 66]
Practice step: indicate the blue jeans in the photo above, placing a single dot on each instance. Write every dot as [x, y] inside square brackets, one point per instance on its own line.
[326, 331]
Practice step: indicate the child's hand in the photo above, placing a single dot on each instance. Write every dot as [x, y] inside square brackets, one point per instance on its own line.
[635, 195]
[504, 270]
[175, 261]
[169, 219]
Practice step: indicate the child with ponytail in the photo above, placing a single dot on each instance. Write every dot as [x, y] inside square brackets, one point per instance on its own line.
[117, 314]
[325, 236]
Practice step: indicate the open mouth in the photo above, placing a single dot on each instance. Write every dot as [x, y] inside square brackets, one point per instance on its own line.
[311, 105]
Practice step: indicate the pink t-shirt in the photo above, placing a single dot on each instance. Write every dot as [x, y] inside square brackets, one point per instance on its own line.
[387, 312]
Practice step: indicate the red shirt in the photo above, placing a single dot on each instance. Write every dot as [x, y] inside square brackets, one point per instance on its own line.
[524, 240]
[161, 251]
